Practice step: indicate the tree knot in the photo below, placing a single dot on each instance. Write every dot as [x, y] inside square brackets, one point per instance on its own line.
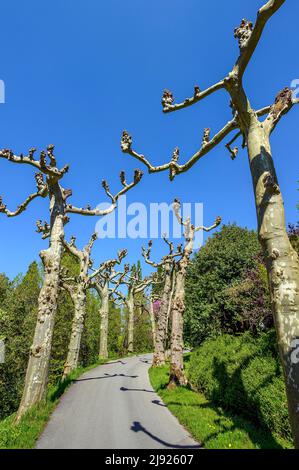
[206, 136]
[282, 104]
[269, 182]
[167, 100]
[126, 141]
[243, 33]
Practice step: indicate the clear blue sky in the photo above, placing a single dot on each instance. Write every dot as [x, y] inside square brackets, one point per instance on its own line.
[78, 72]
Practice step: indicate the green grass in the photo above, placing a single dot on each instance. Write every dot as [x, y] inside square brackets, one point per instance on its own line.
[210, 425]
[25, 434]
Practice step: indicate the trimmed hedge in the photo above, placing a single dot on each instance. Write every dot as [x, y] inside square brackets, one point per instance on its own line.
[243, 374]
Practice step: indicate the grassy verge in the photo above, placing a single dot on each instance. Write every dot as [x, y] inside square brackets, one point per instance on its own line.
[25, 434]
[210, 425]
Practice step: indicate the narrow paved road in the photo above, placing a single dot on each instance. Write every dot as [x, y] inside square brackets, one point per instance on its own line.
[114, 407]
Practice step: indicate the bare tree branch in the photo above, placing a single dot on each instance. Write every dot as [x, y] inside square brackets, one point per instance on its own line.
[126, 187]
[249, 35]
[167, 98]
[146, 253]
[105, 268]
[284, 102]
[208, 229]
[41, 165]
[42, 191]
[235, 150]
[71, 247]
[173, 166]
[44, 229]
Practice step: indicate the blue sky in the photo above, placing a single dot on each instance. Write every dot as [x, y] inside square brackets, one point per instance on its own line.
[78, 72]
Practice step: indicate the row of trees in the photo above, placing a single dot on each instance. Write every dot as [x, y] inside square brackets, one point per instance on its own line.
[281, 259]
[18, 313]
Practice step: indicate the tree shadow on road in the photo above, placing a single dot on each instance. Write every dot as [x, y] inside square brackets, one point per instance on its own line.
[158, 402]
[137, 427]
[125, 389]
[113, 362]
[106, 376]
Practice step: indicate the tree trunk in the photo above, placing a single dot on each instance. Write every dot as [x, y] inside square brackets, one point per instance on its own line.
[153, 322]
[104, 312]
[40, 351]
[159, 352]
[177, 375]
[130, 304]
[281, 261]
[79, 301]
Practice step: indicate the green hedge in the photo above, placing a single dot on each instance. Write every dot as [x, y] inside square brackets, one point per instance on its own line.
[243, 375]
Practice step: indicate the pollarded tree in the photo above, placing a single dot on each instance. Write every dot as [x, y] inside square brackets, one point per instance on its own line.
[177, 375]
[48, 182]
[100, 280]
[281, 258]
[135, 286]
[167, 265]
[77, 289]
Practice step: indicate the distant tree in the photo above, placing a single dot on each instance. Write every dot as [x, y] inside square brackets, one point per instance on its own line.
[293, 232]
[245, 304]
[77, 288]
[162, 292]
[132, 302]
[115, 330]
[18, 313]
[100, 280]
[177, 374]
[89, 351]
[5, 288]
[216, 285]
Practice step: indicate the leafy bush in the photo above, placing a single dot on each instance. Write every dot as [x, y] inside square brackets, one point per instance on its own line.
[243, 374]
[226, 287]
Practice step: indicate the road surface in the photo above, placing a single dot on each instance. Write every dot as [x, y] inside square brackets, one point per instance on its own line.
[114, 407]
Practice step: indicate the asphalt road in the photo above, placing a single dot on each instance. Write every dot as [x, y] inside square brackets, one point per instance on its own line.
[114, 407]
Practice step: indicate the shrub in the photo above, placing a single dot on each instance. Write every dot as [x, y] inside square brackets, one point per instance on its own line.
[243, 374]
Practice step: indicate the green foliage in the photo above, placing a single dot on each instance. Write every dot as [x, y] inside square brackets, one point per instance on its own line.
[89, 351]
[157, 289]
[225, 286]
[115, 338]
[243, 374]
[293, 232]
[212, 426]
[143, 340]
[17, 322]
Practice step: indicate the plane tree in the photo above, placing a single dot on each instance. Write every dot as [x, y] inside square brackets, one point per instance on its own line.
[177, 375]
[77, 289]
[101, 280]
[167, 267]
[135, 285]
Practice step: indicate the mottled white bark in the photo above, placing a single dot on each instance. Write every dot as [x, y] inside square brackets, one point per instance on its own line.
[167, 265]
[130, 305]
[161, 330]
[281, 261]
[77, 288]
[104, 314]
[40, 351]
[79, 300]
[153, 321]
